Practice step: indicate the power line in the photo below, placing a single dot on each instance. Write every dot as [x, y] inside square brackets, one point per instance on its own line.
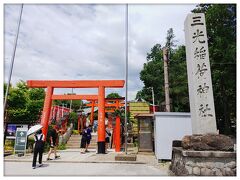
[10, 73]
[13, 57]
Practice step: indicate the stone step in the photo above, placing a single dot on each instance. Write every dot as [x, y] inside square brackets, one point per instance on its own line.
[78, 147]
[74, 144]
[69, 146]
[74, 138]
[75, 141]
[70, 141]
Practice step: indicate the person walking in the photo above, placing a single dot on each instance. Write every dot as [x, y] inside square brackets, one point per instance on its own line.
[88, 135]
[53, 142]
[38, 148]
[107, 138]
[86, 138]
[83, 140]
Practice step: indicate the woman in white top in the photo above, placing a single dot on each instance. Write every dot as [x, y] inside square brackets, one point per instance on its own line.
[107, 137]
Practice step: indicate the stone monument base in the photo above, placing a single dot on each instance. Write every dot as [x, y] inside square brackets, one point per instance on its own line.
[202, 163]
[125, 157]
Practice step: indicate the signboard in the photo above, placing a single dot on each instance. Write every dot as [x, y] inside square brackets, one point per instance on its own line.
[12, 128]
[21, 140]
[199, 75]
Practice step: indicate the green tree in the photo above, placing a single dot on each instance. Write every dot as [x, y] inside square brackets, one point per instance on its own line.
[24, 105]
[113, 95]
[73, 118]
[76, 104]
[178, 81]
[221, 31]
[152, 76]
[170, 42]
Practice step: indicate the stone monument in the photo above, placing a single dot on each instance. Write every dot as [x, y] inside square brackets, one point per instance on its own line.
[199, 75]
[205, 153]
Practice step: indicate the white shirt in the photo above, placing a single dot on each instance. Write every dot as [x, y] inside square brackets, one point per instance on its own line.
[38, 137]
[106, 134]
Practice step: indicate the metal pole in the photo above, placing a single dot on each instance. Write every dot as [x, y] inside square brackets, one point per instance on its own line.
[71, 102]
[13, 57]
[153, 101]
[126, 76]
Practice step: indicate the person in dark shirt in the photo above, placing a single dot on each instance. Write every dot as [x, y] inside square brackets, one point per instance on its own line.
[86, 138]
[38, 148]
[53, 134]
[88, 135]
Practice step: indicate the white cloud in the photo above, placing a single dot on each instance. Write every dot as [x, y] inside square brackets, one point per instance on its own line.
[87, 41]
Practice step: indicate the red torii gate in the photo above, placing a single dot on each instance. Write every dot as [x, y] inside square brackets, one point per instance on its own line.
[117, 130]
[116, 105]
[93, 99]
[100, 84]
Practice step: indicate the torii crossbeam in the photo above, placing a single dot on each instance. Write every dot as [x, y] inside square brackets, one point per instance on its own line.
[100, 84]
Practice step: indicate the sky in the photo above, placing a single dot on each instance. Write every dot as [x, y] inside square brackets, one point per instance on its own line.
[87, 42]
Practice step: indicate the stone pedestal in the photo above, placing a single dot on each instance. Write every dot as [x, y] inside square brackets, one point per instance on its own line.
[203, 163]
[125, 157]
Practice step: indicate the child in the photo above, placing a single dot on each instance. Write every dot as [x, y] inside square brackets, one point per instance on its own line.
[38, 148]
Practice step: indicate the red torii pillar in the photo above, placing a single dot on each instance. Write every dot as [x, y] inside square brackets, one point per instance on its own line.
[100, 84]
[117, 131]
[101, 120]
[46, 110]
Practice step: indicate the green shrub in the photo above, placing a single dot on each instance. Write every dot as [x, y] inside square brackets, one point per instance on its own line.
[30, 143]
[62, 147]
[9, 145]
[46, 147]
[75, 132]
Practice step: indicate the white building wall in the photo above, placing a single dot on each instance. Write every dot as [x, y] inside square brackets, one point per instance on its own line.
[170, 126]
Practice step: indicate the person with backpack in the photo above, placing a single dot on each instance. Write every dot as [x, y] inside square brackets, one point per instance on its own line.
[38, 148]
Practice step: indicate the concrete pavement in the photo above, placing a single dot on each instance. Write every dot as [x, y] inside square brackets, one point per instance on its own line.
[73, 163]
[81, 169]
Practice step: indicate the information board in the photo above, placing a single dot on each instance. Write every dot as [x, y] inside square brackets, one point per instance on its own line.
[21, 140]
[12, 128]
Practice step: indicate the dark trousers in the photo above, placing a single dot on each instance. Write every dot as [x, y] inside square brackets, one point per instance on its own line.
[36, 152]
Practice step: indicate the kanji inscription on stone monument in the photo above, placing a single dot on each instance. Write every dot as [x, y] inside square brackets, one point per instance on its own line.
[199, 75]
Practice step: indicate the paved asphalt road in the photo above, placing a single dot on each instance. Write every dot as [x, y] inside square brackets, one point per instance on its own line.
[82, 169]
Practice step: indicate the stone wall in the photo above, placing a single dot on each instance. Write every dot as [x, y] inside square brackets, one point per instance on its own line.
[203, 163]
[65, 137]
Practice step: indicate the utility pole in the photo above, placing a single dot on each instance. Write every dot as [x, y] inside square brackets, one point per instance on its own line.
[153, 100]
[166, 85]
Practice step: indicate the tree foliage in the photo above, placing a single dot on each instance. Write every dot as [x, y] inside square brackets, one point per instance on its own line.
[24, 105]
[75, 104]
[113, 95]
